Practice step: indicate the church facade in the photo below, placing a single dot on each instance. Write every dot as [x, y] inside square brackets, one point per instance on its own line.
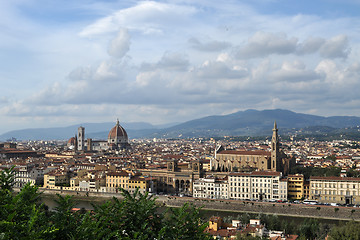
[234, 160]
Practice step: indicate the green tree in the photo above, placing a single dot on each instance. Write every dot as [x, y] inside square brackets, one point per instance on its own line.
[309, 229]
[349, 231]
[183, 223]
[136, 216]
[242, 236]
[63, 218]
[7, 179]
[21, 215]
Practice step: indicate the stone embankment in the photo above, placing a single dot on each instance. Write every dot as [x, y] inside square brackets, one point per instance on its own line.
[286, 209]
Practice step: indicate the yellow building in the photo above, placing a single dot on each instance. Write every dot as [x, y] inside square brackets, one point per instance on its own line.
[74, 183]
[54, 180]
[343, 190]
[296, 187]
[215, 223]
[306, 189]
[116, 180]
[143, 184]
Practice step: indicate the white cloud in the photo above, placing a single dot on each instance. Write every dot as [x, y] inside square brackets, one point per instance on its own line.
[311, 45]
[187, 58]
[293, 72]
[4, 100]
[120, 45]
[210, 46]
[336, 47]
[264, 44]
[143, 16]
[170, 61]
[219, 70]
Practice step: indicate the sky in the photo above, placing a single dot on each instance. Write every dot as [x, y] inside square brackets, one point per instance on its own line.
[69, 62]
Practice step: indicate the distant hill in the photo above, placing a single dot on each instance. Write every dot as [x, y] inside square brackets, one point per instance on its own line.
[255, 123]
[242, 123]
[92, 130]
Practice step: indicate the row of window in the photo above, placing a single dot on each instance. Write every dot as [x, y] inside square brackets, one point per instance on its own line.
[246, 179]
[341, 192]
[116, 180]
[333, 185]
[247, 158]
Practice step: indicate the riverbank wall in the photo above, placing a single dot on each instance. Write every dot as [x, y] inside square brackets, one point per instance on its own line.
[285, 209]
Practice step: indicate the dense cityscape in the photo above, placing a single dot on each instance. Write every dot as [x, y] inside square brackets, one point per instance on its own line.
[310, 172]
[178, 119]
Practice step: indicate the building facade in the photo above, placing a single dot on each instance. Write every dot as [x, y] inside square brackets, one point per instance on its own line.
[234, 160]
[116, 180]
[296, 187]
[178, 177]
[261, 186]
[56, 180]
[342, 190]
[210, 187]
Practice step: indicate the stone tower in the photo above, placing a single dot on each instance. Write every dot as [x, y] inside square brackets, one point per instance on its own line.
[275, 150]
[81, 139]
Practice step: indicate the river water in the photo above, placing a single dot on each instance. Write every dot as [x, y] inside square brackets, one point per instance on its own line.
[87, 203]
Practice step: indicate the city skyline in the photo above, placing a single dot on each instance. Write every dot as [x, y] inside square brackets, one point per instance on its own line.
[173, 61]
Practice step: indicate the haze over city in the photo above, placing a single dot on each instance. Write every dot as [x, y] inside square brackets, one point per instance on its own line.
[68, 62]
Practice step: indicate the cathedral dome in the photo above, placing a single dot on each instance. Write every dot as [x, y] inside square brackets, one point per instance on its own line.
[71, 142]
[117, 134]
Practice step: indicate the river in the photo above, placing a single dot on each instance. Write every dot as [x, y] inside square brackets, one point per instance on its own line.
[87, 203]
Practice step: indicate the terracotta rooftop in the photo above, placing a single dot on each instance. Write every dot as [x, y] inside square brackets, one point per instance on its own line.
[257, 173]
[335, 178]
[245, 153]
[122, 173]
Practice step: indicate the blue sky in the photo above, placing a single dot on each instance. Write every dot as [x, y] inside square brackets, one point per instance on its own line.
[68, 62]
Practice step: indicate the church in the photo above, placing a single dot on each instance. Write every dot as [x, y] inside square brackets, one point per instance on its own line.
[234, 160]
[117, 140]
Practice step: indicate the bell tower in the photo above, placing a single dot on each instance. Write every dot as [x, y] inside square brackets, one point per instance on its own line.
[275, 155]
[81, 139]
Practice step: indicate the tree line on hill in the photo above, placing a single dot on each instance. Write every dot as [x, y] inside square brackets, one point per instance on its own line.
[323, 172]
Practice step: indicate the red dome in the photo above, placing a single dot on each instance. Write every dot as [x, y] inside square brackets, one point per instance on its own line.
[117, 132]
[72, 141]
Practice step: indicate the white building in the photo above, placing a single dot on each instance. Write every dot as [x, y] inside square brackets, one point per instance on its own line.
[210, 187]
[28, 174]
[257, 186]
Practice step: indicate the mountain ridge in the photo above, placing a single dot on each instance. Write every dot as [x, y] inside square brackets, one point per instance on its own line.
[242, 123]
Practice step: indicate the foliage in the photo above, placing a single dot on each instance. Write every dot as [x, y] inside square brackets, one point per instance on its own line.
[241, 236]
[7, 179]
[21, 216]
[136, 216]
[353, 173]
[309, 229]
[315, 171]
[350, 231]
[183, 223]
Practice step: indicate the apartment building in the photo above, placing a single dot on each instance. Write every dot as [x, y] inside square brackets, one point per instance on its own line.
[144, 184]
[296, 187]
[56, 180]
[210, 187]
[257, 186]
[116, 180]
[342, 190]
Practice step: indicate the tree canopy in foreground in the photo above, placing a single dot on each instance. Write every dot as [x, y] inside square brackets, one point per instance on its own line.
[136, 216]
